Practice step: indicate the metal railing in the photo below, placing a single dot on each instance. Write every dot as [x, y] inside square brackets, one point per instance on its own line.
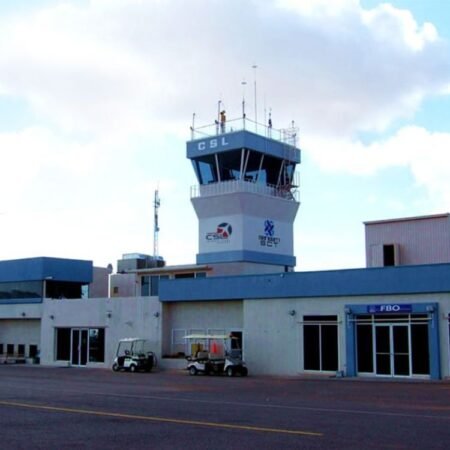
[290, 193]
[286, 135]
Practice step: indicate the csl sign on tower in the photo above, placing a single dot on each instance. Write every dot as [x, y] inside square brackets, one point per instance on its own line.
[212, 144]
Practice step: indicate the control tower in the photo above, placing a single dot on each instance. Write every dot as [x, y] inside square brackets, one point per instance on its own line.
[247, 197]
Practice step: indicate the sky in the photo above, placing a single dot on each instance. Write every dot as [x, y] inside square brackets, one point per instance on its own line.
[97, 97]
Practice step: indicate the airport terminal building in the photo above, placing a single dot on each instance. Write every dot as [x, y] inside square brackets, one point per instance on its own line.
[390, 319]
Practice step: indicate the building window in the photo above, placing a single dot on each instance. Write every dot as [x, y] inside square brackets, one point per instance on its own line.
[320, 343]
[150, 285]
[392, 345]
[73, 338]
[178, 342]
[389, 255]
[85, 291]
[236, 344]
[145, 286]
[62, 289]
[1, 349]
[185, 275]
[364, 353]
[200, 275]
[97, 345]
[33, 351]
[154, 285]
[10, 349]
[63, 344]
[23, 289]
[21, 350]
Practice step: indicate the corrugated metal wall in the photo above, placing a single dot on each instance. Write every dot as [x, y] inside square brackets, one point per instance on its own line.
[420, 240]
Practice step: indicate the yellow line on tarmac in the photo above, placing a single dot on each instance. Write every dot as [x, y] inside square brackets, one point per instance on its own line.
[160, 419]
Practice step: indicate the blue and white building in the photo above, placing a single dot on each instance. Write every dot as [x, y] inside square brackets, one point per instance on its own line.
[390, 319]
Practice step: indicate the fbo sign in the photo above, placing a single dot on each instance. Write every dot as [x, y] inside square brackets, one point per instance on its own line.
[389, 308]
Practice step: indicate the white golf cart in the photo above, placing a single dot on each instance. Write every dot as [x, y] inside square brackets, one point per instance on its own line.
[215, 354]
[134, 354]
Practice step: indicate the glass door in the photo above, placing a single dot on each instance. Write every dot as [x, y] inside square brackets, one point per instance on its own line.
[79, 346]
[392, 350]
[401, 350]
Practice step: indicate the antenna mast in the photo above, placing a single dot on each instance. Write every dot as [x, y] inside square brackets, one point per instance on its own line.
[254, 67]
[156, 205]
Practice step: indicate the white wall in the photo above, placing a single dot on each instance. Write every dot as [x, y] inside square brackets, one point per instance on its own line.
[127, 285]
[274, 339]
[21, 311]
[20, 331]
[225, 315]
[129, 317]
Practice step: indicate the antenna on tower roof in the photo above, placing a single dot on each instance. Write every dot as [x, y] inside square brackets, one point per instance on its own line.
[156, 205]
[243, 83]
[254, 67]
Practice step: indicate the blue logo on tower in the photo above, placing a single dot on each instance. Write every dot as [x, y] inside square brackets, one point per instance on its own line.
[269, 228]
[268, 239]
[222, 233]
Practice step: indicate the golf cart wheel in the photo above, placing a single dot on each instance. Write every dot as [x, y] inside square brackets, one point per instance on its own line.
[133, 368]
[192, 370]
[115, 367]
[230, 371]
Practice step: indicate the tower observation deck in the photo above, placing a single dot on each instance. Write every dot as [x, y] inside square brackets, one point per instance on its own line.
[247, 197]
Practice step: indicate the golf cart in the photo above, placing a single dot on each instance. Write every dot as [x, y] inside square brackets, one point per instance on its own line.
[215, 354]
[134, 354]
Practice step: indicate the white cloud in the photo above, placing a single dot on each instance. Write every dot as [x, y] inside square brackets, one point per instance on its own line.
[394, 26]
[108, 65]
[425, 154]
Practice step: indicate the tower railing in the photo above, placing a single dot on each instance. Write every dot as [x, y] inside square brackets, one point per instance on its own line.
[289, 192]
[288, 136]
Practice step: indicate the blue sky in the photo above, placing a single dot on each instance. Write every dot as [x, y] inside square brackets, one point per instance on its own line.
[97, 96]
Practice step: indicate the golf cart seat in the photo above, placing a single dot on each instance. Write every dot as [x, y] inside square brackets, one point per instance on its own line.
[202, 355]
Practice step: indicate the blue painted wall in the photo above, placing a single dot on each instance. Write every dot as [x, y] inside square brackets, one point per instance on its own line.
[246, 255]
[59, 269]
[238, 140]
[431, 278]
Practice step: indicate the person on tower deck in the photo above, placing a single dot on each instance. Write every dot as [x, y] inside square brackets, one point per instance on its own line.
[270, 126]
[223, 119]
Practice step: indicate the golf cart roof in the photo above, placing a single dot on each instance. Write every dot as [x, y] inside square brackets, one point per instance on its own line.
[132, 339]
[208, 336]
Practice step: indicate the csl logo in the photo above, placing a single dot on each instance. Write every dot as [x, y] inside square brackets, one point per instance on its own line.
[222, 233]
[212, 144]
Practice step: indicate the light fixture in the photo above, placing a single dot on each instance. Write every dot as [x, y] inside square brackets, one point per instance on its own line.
[109, 314]
[292, 312]
[51, 316]
[23, 314]
[156, 314]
